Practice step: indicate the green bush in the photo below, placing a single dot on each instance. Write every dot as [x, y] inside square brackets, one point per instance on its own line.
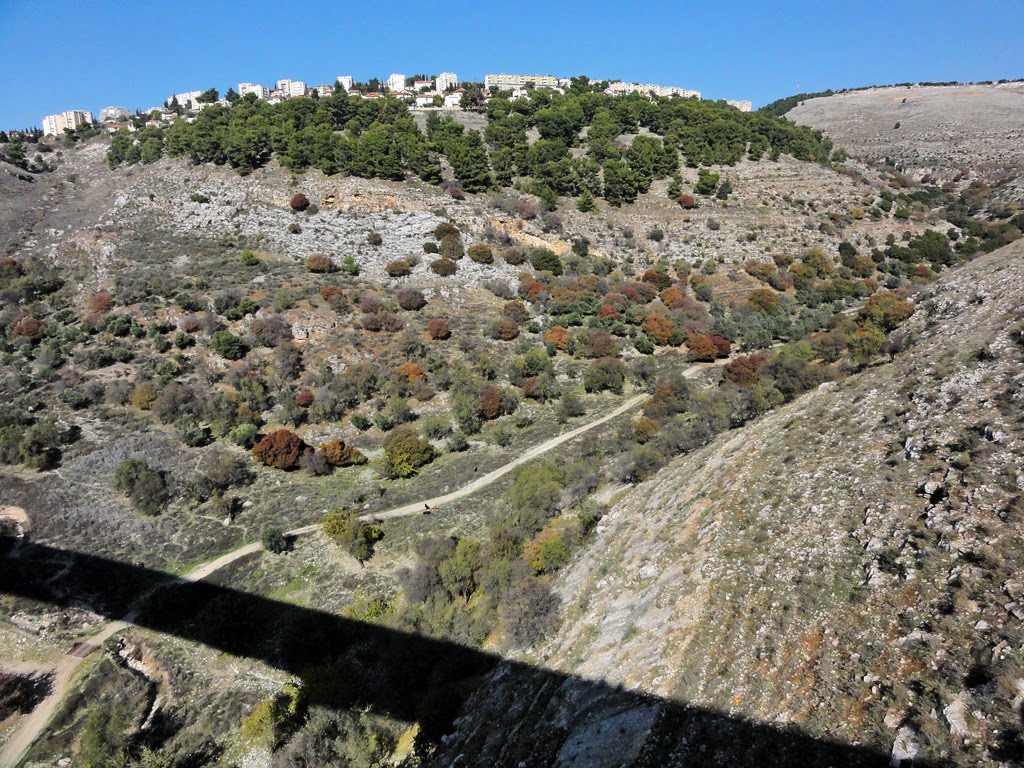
[569, 406]
[398, 268]
[536, 490]
[228, 346]
[444, 267]
[349, 265]
[707, 182]
[451, 247]
[457, 442]
[545, 260]
[606, 373]
[356, 536]
[274, 540]
[145, 486]
[405, 452]
[444, 229]
[481, 254]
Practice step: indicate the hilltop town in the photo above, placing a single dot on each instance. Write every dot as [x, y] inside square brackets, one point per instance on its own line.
[442, 91]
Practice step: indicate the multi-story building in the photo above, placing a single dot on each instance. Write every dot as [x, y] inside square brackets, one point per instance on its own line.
[114, 114]
[742, 106]
[324, 90]
[396, 82]
[508, 82]
[425, 99]
[446, 81]
[55, 125]
[419, 85]
[619, 88]
[187, 100]
[453, 99]
[292, 88]
[671, 90]
[260, 91]
[345, 81]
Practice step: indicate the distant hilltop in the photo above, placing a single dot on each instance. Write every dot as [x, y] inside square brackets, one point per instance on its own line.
[439, 91]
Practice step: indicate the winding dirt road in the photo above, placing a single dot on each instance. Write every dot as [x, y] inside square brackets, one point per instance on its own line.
[29, 728]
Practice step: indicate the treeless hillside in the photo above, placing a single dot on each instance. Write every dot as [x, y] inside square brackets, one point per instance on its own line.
[928, 130]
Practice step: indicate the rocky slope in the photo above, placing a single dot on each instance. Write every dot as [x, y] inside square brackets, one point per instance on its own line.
[776, 207]
[844, 569]
[936, 131]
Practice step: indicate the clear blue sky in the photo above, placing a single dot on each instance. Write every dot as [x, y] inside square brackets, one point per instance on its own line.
[88, 54]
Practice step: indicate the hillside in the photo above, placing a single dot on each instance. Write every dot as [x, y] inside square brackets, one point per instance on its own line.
[963, 133]
[310, 371]
[846, 567]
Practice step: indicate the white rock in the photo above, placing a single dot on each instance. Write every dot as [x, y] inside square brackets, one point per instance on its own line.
[905, 747]
[956, 717]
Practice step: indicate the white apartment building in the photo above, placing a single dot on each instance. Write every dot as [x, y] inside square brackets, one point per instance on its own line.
[419, 85]
[345, 81]
[619, 88]
[396, 82]
[425, 99]
[509, 82]
[324, 90]
[671, 90]
[292, 88]
[260, 91]
[55, 125]
[446, 81]
[453, 99]
[742, 106]
[187, 100]
[114, 114]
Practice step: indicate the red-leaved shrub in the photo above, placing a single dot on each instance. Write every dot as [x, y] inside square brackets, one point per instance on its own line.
[280, 449]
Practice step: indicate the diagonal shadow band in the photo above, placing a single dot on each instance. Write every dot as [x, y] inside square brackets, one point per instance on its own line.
[346, 663]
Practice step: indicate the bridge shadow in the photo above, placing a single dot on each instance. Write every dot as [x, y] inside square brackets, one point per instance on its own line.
[346, 663]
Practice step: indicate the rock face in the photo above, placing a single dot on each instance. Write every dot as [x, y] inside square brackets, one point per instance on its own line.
[807, 575]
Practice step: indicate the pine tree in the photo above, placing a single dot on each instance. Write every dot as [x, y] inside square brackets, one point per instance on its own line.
[586, 203]
[349, 265]
[468, 157]
[675, 187]
[619, 183]
[547, 196]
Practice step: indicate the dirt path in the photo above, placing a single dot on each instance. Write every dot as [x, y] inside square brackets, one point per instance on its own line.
[32, 725]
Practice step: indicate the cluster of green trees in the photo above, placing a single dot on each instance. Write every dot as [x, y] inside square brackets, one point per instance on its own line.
[464, 150]
[700, 133]
[370, 138]
[780, 107]
[378, 138]
[463, 588]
